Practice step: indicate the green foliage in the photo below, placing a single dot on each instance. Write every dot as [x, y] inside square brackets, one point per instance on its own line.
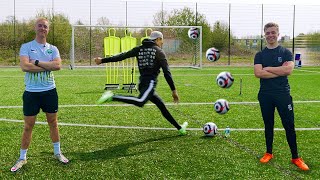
[220, 36]
[61, 35]
[217, 37]
[185, 17]
[313, 40]
[60, 31]
[12, 35]
[11, 41]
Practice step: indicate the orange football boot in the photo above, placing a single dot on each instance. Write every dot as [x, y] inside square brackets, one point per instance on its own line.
[300, 164]
[266, 158]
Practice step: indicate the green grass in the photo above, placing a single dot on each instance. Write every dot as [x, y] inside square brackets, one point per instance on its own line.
[117, 153]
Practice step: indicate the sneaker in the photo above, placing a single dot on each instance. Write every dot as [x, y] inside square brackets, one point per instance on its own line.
[62, 158]
[106, 96]
[266, 158]
[183, 130]
[18, 165]
[300, 164]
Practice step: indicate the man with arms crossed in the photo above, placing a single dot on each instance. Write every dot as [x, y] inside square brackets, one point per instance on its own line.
[38, 59]
[272, 65]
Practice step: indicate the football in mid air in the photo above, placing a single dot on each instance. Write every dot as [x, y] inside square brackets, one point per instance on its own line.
[221, 106]
[224, 79]
[193, 33]
[213, 54]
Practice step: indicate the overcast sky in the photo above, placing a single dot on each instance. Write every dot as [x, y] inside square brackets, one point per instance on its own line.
[304, 2]
[245, 14]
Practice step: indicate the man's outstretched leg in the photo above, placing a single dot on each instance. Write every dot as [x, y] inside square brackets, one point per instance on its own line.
[106, 97]
[140, 101]
[159, 103]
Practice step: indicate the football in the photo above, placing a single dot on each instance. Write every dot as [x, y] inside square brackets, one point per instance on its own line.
[193, 33]
[213, 54]
[224, 79]
[221, 106]
[210, 129]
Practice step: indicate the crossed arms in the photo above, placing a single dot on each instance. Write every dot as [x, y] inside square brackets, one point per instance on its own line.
[272, 72]
[27, 65]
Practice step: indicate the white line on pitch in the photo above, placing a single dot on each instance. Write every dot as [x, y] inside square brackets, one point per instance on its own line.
[307, 71]
[151, 128]
[175, 75]
[149, 104]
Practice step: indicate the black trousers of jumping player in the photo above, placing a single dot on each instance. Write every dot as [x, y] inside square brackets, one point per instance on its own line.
[147, 92]
[284, 105]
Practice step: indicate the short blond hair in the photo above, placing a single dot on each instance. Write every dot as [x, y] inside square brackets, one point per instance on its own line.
[42, 19]
[270, 24]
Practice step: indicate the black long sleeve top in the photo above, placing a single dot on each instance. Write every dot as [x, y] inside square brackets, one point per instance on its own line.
[150, 59]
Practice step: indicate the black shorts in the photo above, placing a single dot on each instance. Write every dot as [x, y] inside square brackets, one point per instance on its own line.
[34, 101]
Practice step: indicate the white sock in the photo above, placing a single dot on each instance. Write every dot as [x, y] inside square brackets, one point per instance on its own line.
[23, 154]
[56, 148]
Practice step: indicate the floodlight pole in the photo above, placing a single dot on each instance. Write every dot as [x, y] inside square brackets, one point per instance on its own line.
[262, 29]
[294, 17]
[229, 34]
[72, 49]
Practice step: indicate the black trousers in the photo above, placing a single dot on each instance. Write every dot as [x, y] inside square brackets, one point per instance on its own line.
[284, 105]
[147, 92]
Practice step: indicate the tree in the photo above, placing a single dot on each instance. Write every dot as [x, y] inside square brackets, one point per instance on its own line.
[103, 21]
[62, 34]
[313, 40]
[160, 17]
[220, 35]
[60, 31]
[183, 17]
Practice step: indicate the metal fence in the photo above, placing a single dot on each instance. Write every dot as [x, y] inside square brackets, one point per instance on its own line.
[245, 22]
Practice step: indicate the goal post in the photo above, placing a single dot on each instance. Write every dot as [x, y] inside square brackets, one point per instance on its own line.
[87, 41]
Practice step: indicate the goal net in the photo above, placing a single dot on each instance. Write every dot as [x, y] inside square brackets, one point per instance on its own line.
[88, 41]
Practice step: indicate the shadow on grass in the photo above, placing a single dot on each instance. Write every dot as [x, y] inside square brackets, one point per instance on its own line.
[207, 137]
[89, 92]
[117, 151]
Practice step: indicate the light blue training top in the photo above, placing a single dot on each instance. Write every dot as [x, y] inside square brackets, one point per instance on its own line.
[39, 81]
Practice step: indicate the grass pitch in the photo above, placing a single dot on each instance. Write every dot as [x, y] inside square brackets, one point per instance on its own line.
[118, 141]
